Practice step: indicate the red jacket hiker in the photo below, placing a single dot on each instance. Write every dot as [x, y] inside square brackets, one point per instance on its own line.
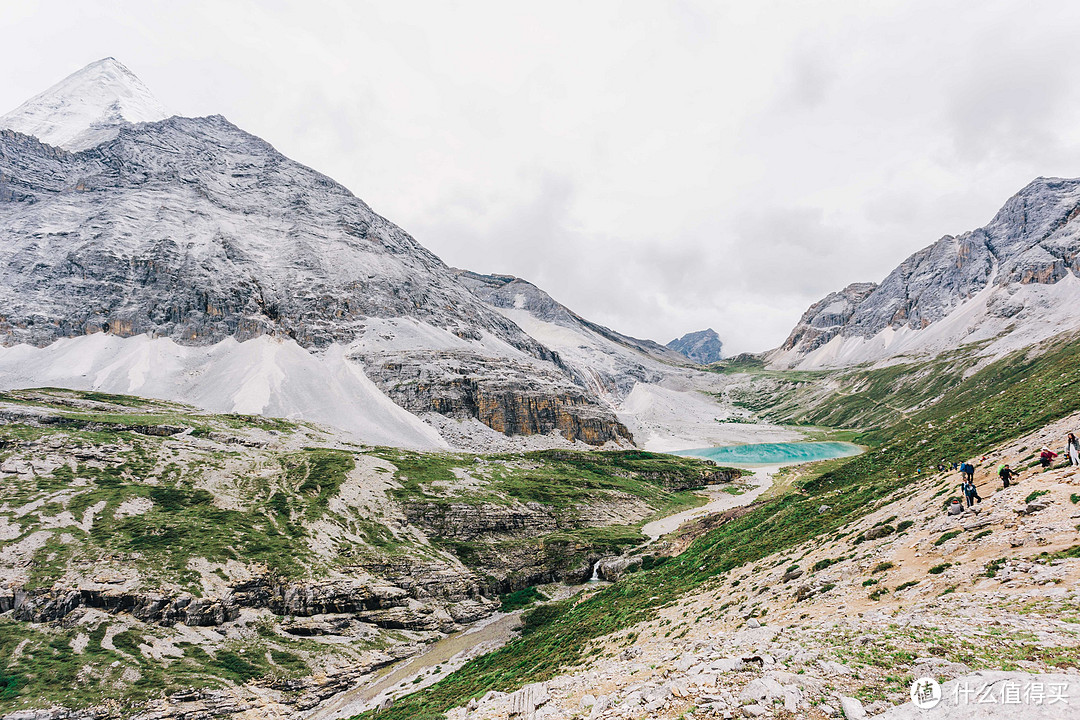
[1046, 457]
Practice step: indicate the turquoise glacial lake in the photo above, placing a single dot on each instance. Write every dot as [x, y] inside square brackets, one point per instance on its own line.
[775, 453]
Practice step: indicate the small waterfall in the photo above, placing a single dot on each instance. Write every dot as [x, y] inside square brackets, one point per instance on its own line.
[595, 573]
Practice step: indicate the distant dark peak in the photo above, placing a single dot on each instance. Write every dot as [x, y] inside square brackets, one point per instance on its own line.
[702, 347]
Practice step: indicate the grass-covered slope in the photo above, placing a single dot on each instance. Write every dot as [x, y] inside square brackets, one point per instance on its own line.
[1004, 400]
[859, 397]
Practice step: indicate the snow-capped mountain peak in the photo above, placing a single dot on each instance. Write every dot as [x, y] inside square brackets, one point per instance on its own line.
[86, 108]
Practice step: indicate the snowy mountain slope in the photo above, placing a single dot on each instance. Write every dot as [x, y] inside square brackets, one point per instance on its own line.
[263, 376]
[86, 108]
[193, 230]
[1012, 283]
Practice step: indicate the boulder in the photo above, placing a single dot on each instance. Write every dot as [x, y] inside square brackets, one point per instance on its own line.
[524, 702]
[852, 708]
[763, 689]
[614, 568]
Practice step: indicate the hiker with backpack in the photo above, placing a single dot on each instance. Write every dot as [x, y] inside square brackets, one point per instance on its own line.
[970, 492]
[1006, 474]
[1072, 447]
[967, 471]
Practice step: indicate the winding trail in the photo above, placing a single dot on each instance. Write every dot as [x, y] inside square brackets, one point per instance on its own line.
[719, 501]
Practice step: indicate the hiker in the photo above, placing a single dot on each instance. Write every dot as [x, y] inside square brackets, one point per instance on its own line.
[970, 492]
[1046, 457]
[955, 508]
[1006, 474]
[1072, 447]
[968, 471]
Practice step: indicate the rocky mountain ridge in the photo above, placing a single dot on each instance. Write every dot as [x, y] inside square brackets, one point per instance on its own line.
[1008, 284]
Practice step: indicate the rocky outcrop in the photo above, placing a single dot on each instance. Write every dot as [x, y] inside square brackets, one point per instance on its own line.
[612, 569]
[515, 546]
[514, 565]
[702, 347]
[36, 417]
[467, 522]
[306, 598]
[511, 396]
[154, 607]
[433, 598]
[690, 481]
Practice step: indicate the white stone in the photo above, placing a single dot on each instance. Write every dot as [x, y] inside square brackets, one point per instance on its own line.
[852, 708]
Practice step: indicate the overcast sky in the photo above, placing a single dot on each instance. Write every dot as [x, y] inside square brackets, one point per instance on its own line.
[659, 167]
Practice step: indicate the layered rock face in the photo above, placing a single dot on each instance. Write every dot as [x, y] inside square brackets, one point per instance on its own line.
[1016, 276]
[514, 397]
[193, 230]
[703, 346]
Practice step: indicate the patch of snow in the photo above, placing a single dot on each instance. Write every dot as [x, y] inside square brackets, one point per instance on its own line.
[86, 108]
[265, 376]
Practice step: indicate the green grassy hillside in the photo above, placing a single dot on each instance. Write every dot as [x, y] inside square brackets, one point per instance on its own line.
[1004, 400]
